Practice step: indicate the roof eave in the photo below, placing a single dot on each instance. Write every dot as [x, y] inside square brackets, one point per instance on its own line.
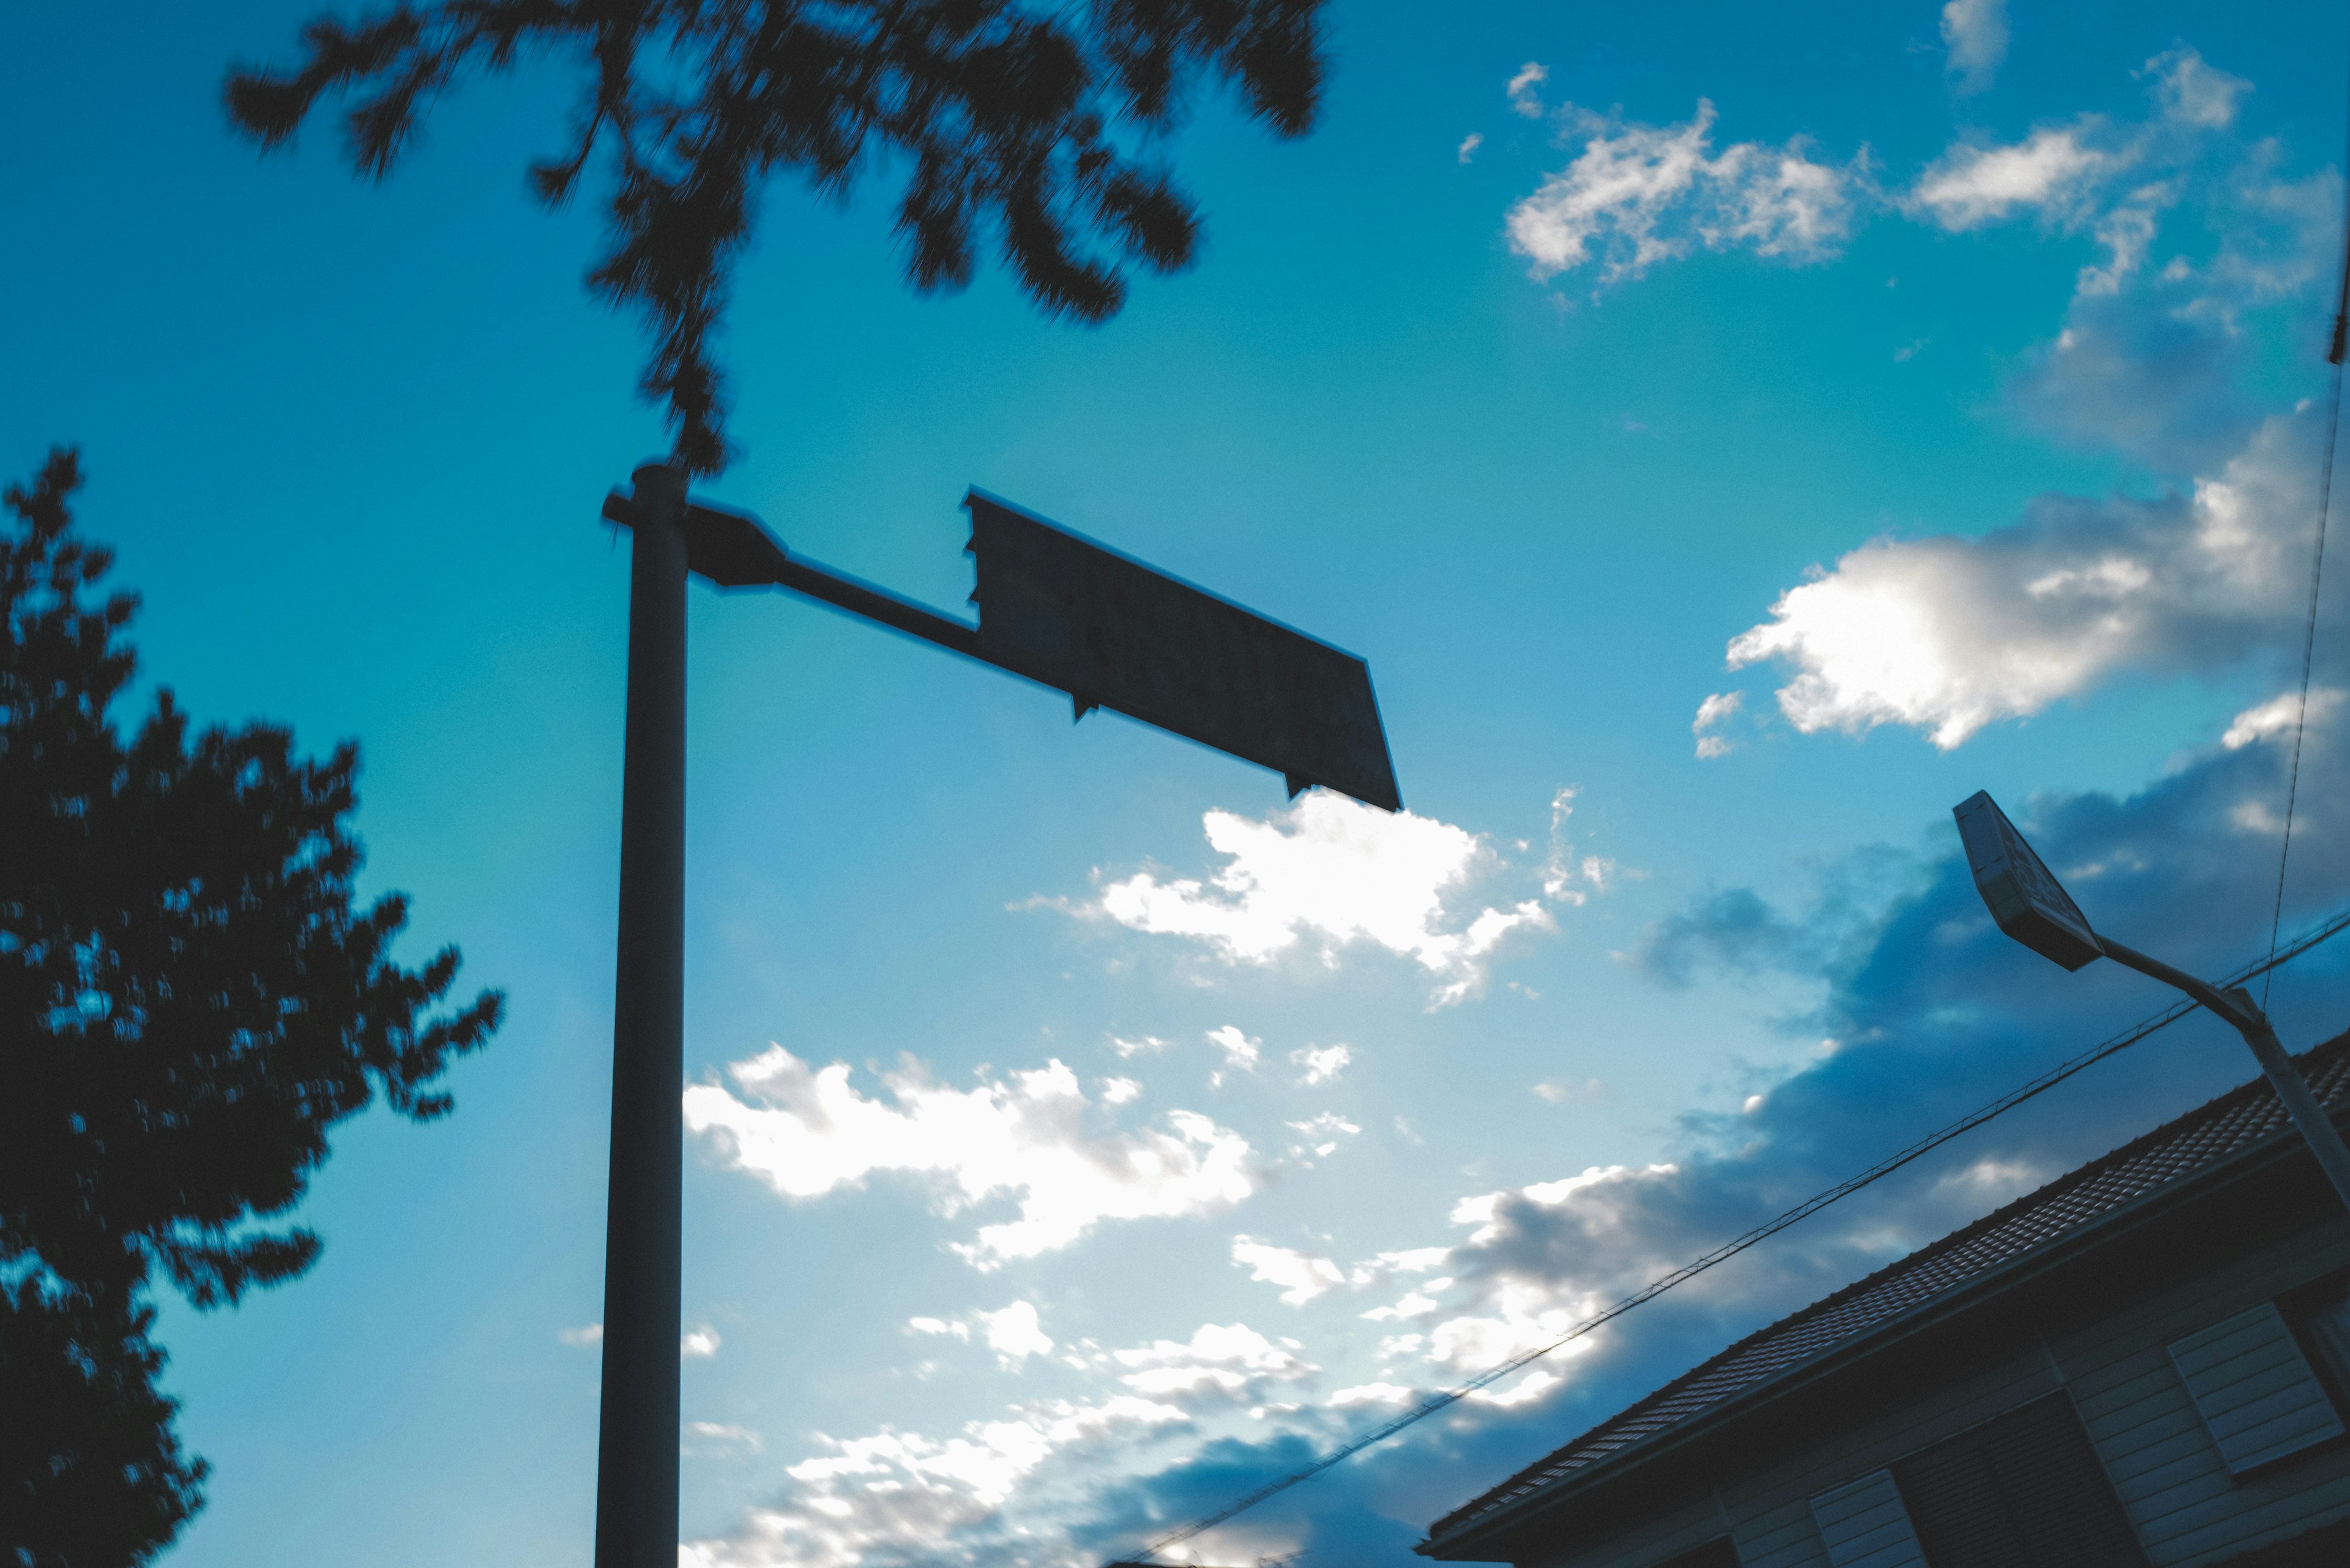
[1514, 1515]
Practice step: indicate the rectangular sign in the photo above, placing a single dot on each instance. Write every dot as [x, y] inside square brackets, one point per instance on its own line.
[1114, 633]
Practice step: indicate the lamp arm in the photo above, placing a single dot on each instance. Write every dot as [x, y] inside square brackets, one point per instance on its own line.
[2240, 1014]
[2236, 1005]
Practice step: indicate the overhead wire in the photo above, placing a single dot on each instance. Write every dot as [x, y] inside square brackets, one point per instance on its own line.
[2048, 1080]
[2335, 352]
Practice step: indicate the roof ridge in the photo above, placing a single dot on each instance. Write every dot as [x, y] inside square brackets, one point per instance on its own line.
[2326, 1065]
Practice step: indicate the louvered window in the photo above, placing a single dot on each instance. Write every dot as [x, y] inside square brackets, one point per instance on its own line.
[2026, 1491]
[2254, 1388]
[1864, 1525]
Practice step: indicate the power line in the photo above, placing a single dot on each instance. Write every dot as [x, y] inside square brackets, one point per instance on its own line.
[1731, 1249]
[2335, 354]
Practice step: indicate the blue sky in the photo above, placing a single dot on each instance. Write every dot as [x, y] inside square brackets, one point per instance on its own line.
[1083, 1133]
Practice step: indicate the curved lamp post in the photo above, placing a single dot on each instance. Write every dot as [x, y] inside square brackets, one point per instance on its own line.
[2031, 905]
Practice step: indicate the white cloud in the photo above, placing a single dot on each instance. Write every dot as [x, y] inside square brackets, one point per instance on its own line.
[1976, 32]
[1371, 1393]
[2278, 716]
[1560, 868]
[2049, 172]
[1329, 867]
[1119, 1091]
[1522, 90]
[1322, 1064]
[1240, 1051]
[877, 1495]
[1328, 1127]
[807, 1132]
[2194, 93]
[1301, 1275]
[585, 1334]
[723, 1434]
[1715, 709]
[1561, 1092]
[1229, 1359]
[1134, 1048]
[2127, 233]
[1948, 635]
[1005, 1481]
[698, 1344]
[955, 1327]
[1470, 144]
[1639, 194]
[1013, 1333]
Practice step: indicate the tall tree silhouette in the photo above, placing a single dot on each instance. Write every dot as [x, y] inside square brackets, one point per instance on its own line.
[189, 1001]
[1038, 122]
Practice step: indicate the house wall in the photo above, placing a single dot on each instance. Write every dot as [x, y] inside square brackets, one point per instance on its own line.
[2188, 1512]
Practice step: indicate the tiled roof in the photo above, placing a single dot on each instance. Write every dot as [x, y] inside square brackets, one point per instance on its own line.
[2196, 1142]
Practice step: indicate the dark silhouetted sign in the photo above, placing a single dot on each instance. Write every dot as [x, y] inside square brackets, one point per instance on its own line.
[1114, 633]
[1059, 610]
[2023, 894]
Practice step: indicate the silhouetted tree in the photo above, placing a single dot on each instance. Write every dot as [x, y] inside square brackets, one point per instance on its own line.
[189, 999]
[1000, 114]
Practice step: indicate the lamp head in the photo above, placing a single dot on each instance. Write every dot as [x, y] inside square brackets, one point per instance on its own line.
[2023, 894]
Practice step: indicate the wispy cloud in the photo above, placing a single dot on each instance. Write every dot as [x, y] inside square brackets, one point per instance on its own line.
[1525, 89]
[1711, 714]
[1639, 195]
[1976, 34]
[2049, 172]
[1322, 1064]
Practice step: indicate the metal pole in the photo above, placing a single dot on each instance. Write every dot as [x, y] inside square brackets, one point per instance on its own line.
[637, 1449]
[2244, 1015]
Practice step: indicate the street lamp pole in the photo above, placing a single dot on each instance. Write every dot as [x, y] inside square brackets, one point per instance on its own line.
[2029, 905]
[2243, 1014]
[637, 1446]
[1058, 609]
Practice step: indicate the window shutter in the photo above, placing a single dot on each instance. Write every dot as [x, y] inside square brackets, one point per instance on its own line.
[1864, 1525]
[2254, 1388]
[2026, 1491]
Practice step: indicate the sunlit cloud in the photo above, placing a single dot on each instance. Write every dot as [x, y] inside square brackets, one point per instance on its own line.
[1948, 635]
[1028, 1136]
[2280, 715]
[1328, 868]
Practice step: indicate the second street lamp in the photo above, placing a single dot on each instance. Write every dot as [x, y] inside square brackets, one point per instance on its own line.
[2031, 905]
[1055, 609]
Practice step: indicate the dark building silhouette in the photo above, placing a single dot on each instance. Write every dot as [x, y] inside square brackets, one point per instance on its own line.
[2145, 1364]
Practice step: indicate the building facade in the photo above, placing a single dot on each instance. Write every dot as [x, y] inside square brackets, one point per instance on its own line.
[2145, 1364]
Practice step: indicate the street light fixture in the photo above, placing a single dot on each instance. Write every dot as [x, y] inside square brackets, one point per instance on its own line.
[1055, 609]
[2031, 905]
